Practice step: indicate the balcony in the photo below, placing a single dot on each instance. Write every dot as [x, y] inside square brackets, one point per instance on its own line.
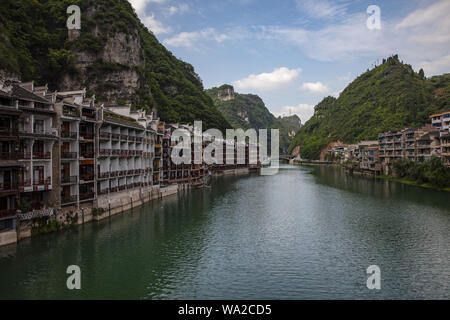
[124, 137]
[87, 135]
[9, 187]
[42, 155]
[123, 187]
[114, 189]
[86, 177]
[8, 131]
[105, 152]
[103, 175]
[69, 155]
[42, 182]
[69, 200]
[69, 135]
[7, 213]
[113, 174]
[115, 136]
[86, 196]
[87, 154]
[105, 136]
[73, 113]
[103, 191]
[69, 179]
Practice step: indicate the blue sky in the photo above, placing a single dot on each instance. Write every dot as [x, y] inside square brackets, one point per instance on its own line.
[293, 53]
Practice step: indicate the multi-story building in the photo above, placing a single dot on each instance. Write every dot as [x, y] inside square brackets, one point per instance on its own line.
[37, 145]
[124, 153]
[10, 167]
[441, 121]
[368, 156]
[445, 147]
[76, 163]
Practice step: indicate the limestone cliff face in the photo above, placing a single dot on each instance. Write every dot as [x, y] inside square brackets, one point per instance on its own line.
[225, 93]
[120, 84]
[113, 56]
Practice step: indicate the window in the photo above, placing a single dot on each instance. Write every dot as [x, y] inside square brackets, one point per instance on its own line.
[38, 126]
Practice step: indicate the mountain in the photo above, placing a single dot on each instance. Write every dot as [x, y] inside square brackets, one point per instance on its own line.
[389, 97]
[249, 111]
[113, 55]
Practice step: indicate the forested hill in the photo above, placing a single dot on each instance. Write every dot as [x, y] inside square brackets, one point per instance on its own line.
[389, 97]
[115, 56]
[249, 111]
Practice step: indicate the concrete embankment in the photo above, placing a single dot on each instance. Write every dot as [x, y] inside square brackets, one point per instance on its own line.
[103, 207]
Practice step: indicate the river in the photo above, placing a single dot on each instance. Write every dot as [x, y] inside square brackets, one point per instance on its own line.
[306, 233]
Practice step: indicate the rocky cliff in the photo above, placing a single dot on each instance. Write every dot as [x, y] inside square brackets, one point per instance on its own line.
[113, 55]
[249, 111]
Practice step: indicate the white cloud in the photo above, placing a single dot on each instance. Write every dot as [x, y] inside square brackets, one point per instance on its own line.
[315, 87]
[303, 110]
[321, 8]
[140, 5]
[182, 8]
[154, 25]
[280, 77]
[149, 20]
[188, 39]
[428, 15]
[436, 66]
[423, 35]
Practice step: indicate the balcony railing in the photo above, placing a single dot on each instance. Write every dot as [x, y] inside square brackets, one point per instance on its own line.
[9, 186]
[69, 135]
[42, 155]
[69, 179]
[115, 136]
[7, 213]
[114, 189]
[8, 131]
[103, 191]
[69, 155]
[71, 113]
[105, 135]
[86, 196]
[86, 177]
[87, 135]
[70, 199]
[103, 175]
[105, 152]
[42, 182]
[87, 154]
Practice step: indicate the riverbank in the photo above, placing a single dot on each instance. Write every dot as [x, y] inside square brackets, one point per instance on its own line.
[412, 183]
[358, 172]
[105, 206]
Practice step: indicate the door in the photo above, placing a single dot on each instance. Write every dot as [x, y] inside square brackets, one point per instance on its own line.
[7, 180]
[65, 172]
[38, 175]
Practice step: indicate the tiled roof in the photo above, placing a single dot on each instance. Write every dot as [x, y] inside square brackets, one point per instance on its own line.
[22, 93]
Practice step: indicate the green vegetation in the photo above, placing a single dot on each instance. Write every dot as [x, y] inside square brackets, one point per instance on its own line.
[249, 111]
[389, 97]
[34, 45]
[431, 172]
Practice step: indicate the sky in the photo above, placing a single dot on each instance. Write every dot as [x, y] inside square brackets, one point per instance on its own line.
[293, 53]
